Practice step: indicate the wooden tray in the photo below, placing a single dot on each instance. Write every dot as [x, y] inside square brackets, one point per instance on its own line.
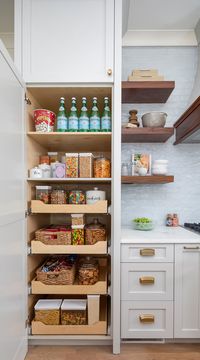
[37, 247]
[38, 207]
[37, 287]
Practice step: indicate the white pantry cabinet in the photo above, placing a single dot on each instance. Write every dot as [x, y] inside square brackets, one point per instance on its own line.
[187, 291]
[65, 40]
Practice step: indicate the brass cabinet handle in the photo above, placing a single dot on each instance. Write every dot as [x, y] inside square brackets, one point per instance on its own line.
[191, 247]
[146, 318]
[147, 252]
[109, 72]
[146, 280]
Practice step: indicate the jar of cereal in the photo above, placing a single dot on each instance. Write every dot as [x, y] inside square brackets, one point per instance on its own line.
[102, 167]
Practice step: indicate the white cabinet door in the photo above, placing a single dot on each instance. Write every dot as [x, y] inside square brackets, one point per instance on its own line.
[67, 40]
[187, 291]
[13, 340]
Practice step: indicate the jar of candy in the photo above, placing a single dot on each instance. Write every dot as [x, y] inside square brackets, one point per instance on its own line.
[102, 167]
[78, 235]
[88, 272]
[71, 165]
[43, 193]
[77, 197]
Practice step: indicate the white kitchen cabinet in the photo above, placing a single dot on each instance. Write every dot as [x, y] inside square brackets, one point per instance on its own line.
[65, 40]
[187, 291]
[13, 291]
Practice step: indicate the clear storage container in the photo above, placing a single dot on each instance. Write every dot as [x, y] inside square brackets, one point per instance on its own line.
[48, 311]
[88, 271]
[53, 157]
[94, 232]
[74, 312]
[78, 235]
[77, 197]
[43, 193]
[71, 165]
[78, 219]
[58, 196]
[102, 167]
[86, 165]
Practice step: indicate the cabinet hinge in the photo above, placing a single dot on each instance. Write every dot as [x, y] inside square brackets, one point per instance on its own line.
[27, 213]
[28, 101]
[27, 322]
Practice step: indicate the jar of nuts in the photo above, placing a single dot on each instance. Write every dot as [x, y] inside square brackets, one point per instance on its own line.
[58, 196]
[94, 232]
[88, 271]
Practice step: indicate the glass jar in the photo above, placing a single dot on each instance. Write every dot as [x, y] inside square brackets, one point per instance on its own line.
[86, 165]
[44, 159]
[102, 167]
[88, 271]
[58, 196]
[78, 235]
[77, 197]
[125, 170]
[73, 312]
[53, 157]
[94, 232]
[43, 193]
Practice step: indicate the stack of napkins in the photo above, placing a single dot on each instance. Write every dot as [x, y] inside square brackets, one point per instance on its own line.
[145, 75]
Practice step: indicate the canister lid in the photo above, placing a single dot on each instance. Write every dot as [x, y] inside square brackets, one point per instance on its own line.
[43, 187]
[48, 304]
[74, 304]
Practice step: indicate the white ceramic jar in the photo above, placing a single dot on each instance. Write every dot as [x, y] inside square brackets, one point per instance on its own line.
[92, 196]
[160, 167]
[46, 170]
[36, 173]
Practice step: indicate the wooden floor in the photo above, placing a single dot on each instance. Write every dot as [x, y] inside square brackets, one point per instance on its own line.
[128, 352]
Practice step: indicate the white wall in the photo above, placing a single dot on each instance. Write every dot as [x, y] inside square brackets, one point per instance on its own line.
[183, 196]
[8, 40]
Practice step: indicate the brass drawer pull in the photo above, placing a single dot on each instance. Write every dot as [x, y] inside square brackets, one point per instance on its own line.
[109, 72]
[147, 318]
[147, 252]
[146, 280]
[191, 247]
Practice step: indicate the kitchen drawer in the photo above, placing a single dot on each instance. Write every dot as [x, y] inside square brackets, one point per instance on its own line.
[147, 253]
[146, 319]
[146, 281]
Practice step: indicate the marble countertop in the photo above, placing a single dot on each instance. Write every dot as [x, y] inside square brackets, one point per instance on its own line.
[161, 234]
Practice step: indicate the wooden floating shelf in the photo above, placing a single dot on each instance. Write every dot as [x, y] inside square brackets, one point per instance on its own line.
[98, 328]
[154, 179]
[37, 247]
[146, 91]
[38, 207]
[73, 142]
[146, 135]
[37, 287]
[188, 125]
[71, 180]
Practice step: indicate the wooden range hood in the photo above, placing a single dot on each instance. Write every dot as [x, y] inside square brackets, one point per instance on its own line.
[188, 125]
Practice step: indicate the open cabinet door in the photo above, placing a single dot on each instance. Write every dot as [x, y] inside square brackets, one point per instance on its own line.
[13, 288]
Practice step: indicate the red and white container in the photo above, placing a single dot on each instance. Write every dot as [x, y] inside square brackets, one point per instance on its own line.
[44, 120]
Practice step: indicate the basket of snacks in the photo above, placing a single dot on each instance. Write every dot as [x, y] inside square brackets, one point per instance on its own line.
[58, 271]
[54, 235]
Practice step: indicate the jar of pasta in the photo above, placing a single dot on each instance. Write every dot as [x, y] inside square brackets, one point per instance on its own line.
[102, 167]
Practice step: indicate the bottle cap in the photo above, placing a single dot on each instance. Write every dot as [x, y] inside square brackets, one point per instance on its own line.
[84, 98]
[73, 98]
[94, 98]
[62, 98]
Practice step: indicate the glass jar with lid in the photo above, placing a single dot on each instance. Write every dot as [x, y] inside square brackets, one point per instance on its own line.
[58, 196]
[88, 271]
[43, 193]
[77, 197]
[102, 167]
[95, 232]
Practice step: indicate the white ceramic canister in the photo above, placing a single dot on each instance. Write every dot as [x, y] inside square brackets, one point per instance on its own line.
[46, 170]
[53, 169]
[92, 196]
[36, 173]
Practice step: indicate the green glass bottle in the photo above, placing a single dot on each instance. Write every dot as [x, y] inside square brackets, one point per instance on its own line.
[95, 121]
[73, 117]
[62, 117]
[84, 119]
[106, 116]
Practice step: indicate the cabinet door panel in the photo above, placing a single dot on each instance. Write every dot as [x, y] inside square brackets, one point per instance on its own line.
[13, 288]
[68, 40]
[187, 291]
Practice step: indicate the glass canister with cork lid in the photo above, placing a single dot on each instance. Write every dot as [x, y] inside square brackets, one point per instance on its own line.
[95, 232]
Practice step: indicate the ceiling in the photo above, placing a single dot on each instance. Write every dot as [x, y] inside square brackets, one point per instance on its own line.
[6, 16]
[163, 14]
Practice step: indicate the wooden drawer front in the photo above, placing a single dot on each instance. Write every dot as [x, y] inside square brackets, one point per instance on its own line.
[147, 253]
[147, 281]
[146, 319]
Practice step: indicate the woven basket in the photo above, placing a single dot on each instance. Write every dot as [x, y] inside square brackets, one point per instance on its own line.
[54, 238]
[63, 277]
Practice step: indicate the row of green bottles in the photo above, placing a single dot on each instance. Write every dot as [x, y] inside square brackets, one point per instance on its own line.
[84, 123]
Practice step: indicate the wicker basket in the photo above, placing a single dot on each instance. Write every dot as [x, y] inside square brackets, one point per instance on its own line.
[53, 238]
[63, 277]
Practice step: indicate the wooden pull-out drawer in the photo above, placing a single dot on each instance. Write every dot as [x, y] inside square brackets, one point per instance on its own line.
[146, 281]
[146, 319]
[147, 253]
